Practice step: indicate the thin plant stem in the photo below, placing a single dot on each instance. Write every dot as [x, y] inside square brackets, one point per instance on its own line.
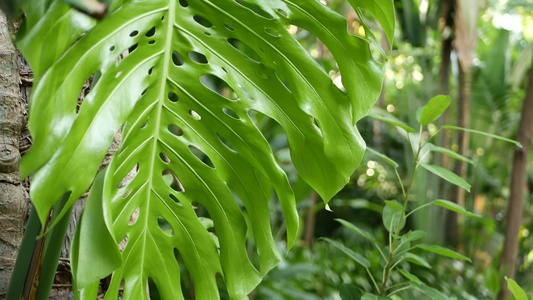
[381, 252]
[373, 280]
[399, 290]
[389, 266]
[420, 207]
[397, 285]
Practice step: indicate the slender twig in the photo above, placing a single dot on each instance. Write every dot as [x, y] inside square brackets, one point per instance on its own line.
[420, 207]
[398, 285]
[373, 280]
[399, 290]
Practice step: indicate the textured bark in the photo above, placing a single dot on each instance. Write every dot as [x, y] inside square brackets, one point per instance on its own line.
[14, 206]
[518, 184]
[447, 25]
[458, 194]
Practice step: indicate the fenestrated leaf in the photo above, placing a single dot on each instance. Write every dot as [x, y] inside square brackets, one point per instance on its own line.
[483, 133]
[358, 258]
[449, 152]
[91, 7]
[516, 290]
[383, 11]
[442, 251]
[433, 109]
[164, 69]
[454, 207]
[367, 235]
[447, 175]
[96, 251]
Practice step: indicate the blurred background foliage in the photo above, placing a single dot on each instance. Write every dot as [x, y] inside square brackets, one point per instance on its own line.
[500, 61]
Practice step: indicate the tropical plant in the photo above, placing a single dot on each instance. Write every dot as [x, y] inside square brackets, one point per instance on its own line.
[403, 247]
[202, 171]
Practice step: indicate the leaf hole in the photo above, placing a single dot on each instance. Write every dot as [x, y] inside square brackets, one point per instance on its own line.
[272, 33]
[150, 71]
[144, 125]
[173, 97]
[262, 75]
[203, 21]
[150, 32]
[152, 291]
[127, 193]
[175, 199]
[195, 115]
[201, 156]
[228, 27]
[219, 86]
[164, 158]
[134, 216]
[207, 33]
[129, 177]
[134, 33]
[151, 42]
[172, 180]
[283, 13]
[175, 130]
[226, 143]
[282, 79]
[256, 9]
[247, 93]
[176, 59]
[118, 74]
[112, 48]
[230, 113]
[184, 3]
[133, 48]
[244, 49]
[123, 244]
[165, 226]
[198, 57]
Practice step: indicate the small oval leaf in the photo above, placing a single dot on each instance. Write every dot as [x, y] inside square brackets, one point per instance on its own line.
[384, 116]
[447, 175]
[434, 109]
[516, 290]
[410, 276]
[442, 251]
[358, 258]
[455, 207]
[367, 235]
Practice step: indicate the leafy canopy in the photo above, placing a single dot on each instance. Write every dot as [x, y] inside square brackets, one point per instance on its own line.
[157, 67]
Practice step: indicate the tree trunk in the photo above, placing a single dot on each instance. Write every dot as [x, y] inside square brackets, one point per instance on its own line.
[518, 181]
[463, 119]
[14, 206]
[447, 25]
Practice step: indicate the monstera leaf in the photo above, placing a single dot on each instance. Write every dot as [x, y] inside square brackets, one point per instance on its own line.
[202, 171]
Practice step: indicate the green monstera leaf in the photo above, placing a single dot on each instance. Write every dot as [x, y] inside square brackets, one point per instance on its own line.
[193, 149]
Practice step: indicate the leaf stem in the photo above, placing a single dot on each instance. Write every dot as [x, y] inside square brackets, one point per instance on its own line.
[399, 290]
[420, 207]
[373, 280]
[389, 266]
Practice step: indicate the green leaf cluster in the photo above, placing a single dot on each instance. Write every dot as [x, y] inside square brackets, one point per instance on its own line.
[183, 84]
